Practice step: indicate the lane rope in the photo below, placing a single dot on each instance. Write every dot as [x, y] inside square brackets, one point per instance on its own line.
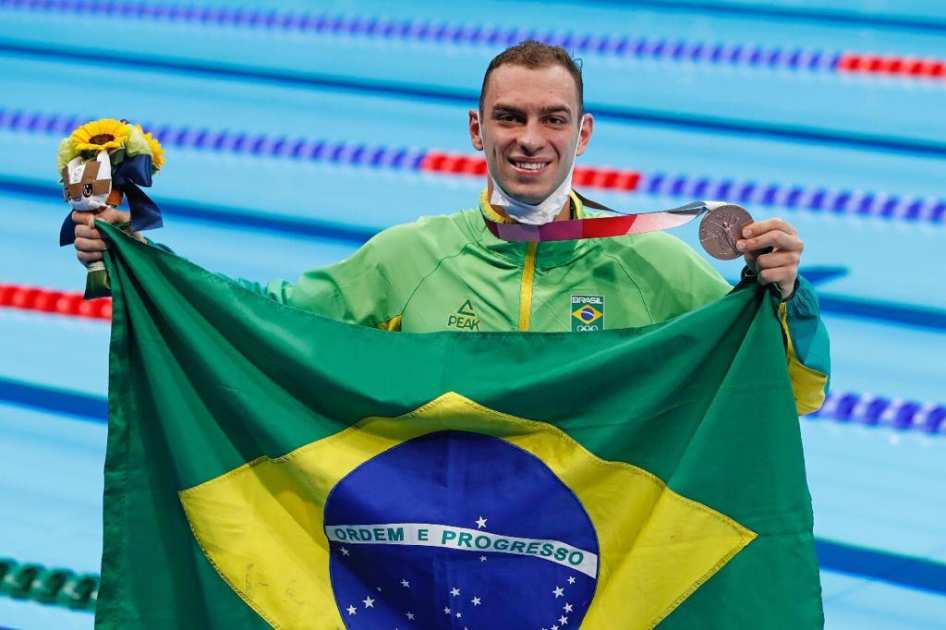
[52, 586]
[879, 411]
[821, 200]
[491, 36]
[66, 303]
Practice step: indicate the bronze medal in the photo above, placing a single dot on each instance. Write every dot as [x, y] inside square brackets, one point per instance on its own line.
[721, 228]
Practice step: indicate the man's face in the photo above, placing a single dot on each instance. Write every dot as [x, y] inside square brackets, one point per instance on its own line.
[529, 129]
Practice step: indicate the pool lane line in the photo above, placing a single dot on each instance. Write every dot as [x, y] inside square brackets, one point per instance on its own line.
[768, 10]
[817, 200]
[76, 405]
[422, 30]
[913, 315]
[871, 410]
[65, 303]
[892, 568]
[413, 91]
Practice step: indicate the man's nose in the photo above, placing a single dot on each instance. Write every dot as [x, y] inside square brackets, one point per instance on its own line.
[531, 139]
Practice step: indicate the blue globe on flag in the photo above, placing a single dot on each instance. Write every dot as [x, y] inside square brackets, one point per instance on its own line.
[463, 531]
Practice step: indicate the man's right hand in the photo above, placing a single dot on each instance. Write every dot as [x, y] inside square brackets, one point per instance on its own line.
[89, 242]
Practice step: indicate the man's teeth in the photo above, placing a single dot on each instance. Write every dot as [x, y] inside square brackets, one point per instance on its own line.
[530, 166]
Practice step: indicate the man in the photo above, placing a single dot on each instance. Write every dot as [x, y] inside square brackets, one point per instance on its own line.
[450, 273]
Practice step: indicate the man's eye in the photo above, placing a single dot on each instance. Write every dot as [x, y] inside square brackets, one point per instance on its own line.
[556, 120]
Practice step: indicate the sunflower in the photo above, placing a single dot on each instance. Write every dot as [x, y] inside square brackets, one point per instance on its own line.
[100, 135]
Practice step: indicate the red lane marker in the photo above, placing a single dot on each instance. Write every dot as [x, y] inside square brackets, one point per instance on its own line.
[49, 301]
[587, 176]
[896, 65]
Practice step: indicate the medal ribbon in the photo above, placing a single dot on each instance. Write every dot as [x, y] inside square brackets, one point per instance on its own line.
[620, 224]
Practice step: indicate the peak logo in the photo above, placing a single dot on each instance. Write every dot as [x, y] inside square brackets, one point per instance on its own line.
[465, 318]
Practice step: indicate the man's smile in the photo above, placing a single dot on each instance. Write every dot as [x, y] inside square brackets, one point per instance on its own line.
[529, 166]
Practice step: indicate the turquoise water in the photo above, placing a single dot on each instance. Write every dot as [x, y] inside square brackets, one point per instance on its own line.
[872, 487]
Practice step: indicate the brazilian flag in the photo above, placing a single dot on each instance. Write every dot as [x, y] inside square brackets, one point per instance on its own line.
[270, 467]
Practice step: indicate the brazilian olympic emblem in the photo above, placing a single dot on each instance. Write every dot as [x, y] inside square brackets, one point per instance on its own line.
[587, 313]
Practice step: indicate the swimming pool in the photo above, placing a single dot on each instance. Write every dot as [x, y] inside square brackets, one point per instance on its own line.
[304, 130]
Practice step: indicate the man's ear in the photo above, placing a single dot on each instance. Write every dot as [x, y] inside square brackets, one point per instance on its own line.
[587, 128]
[475, 132]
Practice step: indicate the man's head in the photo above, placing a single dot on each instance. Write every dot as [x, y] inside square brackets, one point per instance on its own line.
[531, 109]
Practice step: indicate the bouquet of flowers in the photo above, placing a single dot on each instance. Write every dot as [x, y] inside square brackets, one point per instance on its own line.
[102, 163]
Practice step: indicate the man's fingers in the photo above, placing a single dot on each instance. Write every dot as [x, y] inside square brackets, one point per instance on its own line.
[778, 259]
[90, 245]
[761, 227]
[105, 213]
[82, 218]
[84, 231]
[779, 274]
[113, 216]
[87, 258]
[776, 238]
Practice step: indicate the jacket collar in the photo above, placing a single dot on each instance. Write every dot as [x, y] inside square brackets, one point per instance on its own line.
[548, 254]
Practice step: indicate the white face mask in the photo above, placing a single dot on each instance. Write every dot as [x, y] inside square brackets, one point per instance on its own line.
[543, 212]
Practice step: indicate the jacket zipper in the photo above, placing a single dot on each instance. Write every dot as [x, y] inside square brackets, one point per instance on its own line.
[525, 288]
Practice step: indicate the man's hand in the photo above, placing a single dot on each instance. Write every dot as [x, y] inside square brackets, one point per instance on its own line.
[89, 242]
[779, 265]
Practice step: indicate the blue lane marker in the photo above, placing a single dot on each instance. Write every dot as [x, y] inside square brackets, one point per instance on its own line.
[912, 315]
[912, 572]
[819, 274]
[81, 406]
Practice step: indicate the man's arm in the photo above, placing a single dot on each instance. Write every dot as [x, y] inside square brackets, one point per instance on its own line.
[806, 338]
[355, 290]
[807, 346]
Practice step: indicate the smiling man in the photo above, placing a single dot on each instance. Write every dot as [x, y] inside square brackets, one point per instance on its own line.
[530, 106]
[450, 273]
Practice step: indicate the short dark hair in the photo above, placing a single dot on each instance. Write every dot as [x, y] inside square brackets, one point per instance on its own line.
[533, 54]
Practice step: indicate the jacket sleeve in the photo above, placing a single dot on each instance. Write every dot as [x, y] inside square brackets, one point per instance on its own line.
[807, 348]
[355, 290]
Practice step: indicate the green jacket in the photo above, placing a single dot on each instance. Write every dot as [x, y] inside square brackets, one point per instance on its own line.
[450, 273]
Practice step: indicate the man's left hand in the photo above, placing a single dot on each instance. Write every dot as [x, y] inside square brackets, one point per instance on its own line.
[781, 264]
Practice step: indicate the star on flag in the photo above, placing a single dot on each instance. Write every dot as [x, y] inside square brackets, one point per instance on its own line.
[481, 522]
